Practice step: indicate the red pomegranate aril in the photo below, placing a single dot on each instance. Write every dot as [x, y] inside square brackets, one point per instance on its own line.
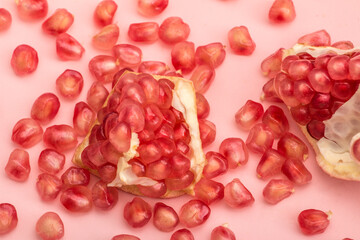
[60, 137]
[181, 132]
[318, 38]
[165, 218]
[216, 164]
[167, 145]
[69, 84]
[235, 152]
[299, 69]
[303, 92]
[313, 221]
[260, 138]
[109, 153]
[134, 92]
[153, 116]
[149, 152]
[306, 56]
[202, 77]
[137, 213]
[182, 234]
[301, 114]
[27, 132]
[50, 226]
[320, 80]
[344, 45]
[287, 61]
[183, 56]
[59, 22]
[338, 67]
[181, 182]
[83, 118]
[343, 90]
[271, 65]
[153, 67]
[296, 171]
[104, 12]
[8, 218]
[133, 114]
[354, 68]
[24, 60]
[96, 96]
[137, 167]
[169, 117]
[282, 11]
[173, 30]
[165, 131]
[103, 68]
[109, 121]
[156, 191]
[77, 199]
[125, 237]
[248, 114]
[292, 147]
[68, 48]
[165, 95]
[320, 114]
[336, 105]
[240, 41]
[97, 134]
[146, 32]
[316, 129]
[150, 8]
[222, 233]
[32, 9]
[207, 132]
[107, 172]
[158, 170]
[18, 165]
[274, 117]
[180, 165]
[212, 54]
[107, 37]
[104, 197]
[146, 135]
[202, 106]
[321, 101]
[268, 92]
[209, 191]
[45, 108]
[51, 161]
[5, 19]
[74, 176]
[236, 195]
[92, 156]
[48, 186]
[194, 213]
[127, 55]
[151, 88]
[277, 190]
[270, 164]
[120, 137]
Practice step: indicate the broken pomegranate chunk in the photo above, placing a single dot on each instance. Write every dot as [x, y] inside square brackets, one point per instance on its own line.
[277, 190]
[137, 213]
[24, 60]
[18, 165]
[222, 233]
[45, 108]
[182, 234]
[194, 213]
[313, 221]
[282, 11]
[8, 218]
[59, 22]
[165, 218]
[240, 41]
[236, 195]
[27, 132]
[68, 48]
[107, 37]
[249, 114]
[144, 32]
[77, 199]
[60, 137]
[50, 226]
[5, 19]
[32, 9]
[104, 12]
[69, 84]
[48, 186]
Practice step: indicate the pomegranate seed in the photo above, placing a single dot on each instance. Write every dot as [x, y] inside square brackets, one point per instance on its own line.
[32, 9]
[320, 80]
[268, 92]
[5, 19]
[74, 176]
[212, 54]
[27, 132]
[149, 152]
[108, 154]
[156, 191]
[45, 108]
[68, 48]
[270, 164]
[322, 60]
[51, 161]
[76, 199]
[222, 233]
[320, 114]
[24, 60]
[321, 101]
[137, 213]
[209, 191]
[306, 56]
[125, 237]
[277, 190]
[313, 221]
[137, 167]
[292, 147]
[236, 195]
[48, 186]
[92, 156]
[299, 69]
[153, 67]
[282, 11]
[181, 132]
[150, 8]
[158, 170]
[83, 118]
[354, 64]
[287, 61]
[216, 164]
[301, 114]
[182, 234]
[240, 41]
[183, 56]
[274, 117]
[8, 218]
[135, 92]
[338, 67]
[343, 90]
[202, 77]
[107, 172]
[235, 152]
[166, 131]
[120, 136]
[165, 95]
[60, 137]
[18, 165]
[169, 117]
[127, 55]
[59, 22]
[207, 132]
[344, 45]
[50, 226]
[194, 213]
[296, 171]
[260, 138]
[336, 105]
[180, 165]
[271, 65]
[69, 84]
[107, 37]
[104, 197]
[248, 114]
[286, 91]
[181, 182]
[355, 149]
[103, 68]
[104, 12]
[144, 32]
[173, 30]
[318, 38]
[202, 106]
[146, 135]
[173, 74]
[133, 114]
[96, 96]
[165, 218]
[316, 129]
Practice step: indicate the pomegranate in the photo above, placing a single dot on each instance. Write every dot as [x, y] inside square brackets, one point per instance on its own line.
[18, 165]
[236, 195]
[29, 10]
[125, 237]
[313, 221]
[202, 77]
[24, 60]
[282, 11]
[277, 190]
[248, 114]
[50, 226]
[173, 30]
[45, 108]
[104, 12]
[182, 234]
[240, 41]
[59, 22]
[194, 213]
[27, 132]
[77, 199]
[60, 137]
[144, 32]
[212, 54]
[51, 161]
[68, 48]
[83, 118]
[96, 96]
[75, 176]
[127, 55]
[183, 56]
[209, 191]
[69, 84]
[107, 37]
[5, 19]
[8, 218]
[103, 68]
[137, 213]
[48, 186]
[104, 197]
[165, 218]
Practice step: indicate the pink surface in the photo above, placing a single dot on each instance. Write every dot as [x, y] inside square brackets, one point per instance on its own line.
[237, 80]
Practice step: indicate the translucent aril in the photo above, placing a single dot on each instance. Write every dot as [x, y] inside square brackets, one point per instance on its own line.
[5, 19]
[212, 54]
[313, 221]
[354, 68]
[179, 164]
[107, 37]
[8, 218]
[173, 30]
[120, 137]
[24, 60]
[209, 191]
[30, 10]
[137, 212]
[45, 108]
[127, 55]
[146, 32]
[270, 164]
[301, 114]
[194, 213]
[27, 132]
[104, 12]
[222, 233]
[318, 38]
[150, 8]
[183, 56]
[51, 161]
[202, 77]
[77, 199]
[292, 147]
[216, 164]
[240, 41]
[50, 226]
[277, 190]
[83, 118]
[282, 11]
[165, 218]
[18, 166]
[296, 171]
[153, 67]
[338, 67]
[271, 65]
[274, 117]
[320, 80]
[182, 234]
[107, 172]
[235, 152]
[158, 170]
[103, 68]
[207, 132]
[74, 176]
[155, 191]
[96, 96]
[179, 183]
[202, 106]
[125, 237]
[344, 45]
[60, 137]
[236, 195]
[260, 138]
[249, 114]
[69, 84]
[68, 48]
[48, 186]
[103, 196]
[299, 69]
[59, 22]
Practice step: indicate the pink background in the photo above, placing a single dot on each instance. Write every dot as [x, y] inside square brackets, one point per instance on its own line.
[238, 79]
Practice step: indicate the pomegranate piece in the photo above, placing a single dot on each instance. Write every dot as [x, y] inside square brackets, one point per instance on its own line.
[125, 237]
[313, 221]
[236, 195]
[146, 32]
[60, 137]
[194, 213]
[216, 164]
[45, 108]
[202, 77]
[104, 12]
[8, 218]
[24, 60]
[282, 11]
[83, 118]
[212, 54]
[104, 197]
[155, 191]
[96, 96]
[173, 30]
[150, 8]
[318, 38]
[338, 67]
[158, 170]
[207, 132]
[69, 84]
[182, 234]
[274, 117]
[5, 19]
[51, 161]
[183, 56]
[127, 55]
[59, 22]
[165, 218]
[271, 65]
[209, 191]
[50, 226]
[292, 147]
[107, 172]
[277, 190]
[354, 68]
[103, 68]
[270, 164]
[18, 165]
[74, 176]
[32, 9]
[27, 132]
[153, 67]
[235, 152]
[301, 114]
[320, 80]
[299, 69]
[68, 48]
[107, 37]
[222, 233]
[260, 138]
[133, 114]
[202, 106]
[248, 114]
[316, 129]
[48, 186]
[240, 41]
[77, 199]
[296, 171]
[181, 182]
[137, 213]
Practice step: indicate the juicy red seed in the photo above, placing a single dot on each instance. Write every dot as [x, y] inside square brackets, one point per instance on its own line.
[165, 218]
[48, 186]
[125, 237]
[355, 149]
[74, 176]
[235, 152]
[271, 65]
[268, 92]
[212, 54]
[5, 19]
[236, 195]
[320, 114]
[27, 132]
[104, 197]
[320, 80]
[107, 172]
[180, 165]
[216, 164]
[173, 30]
[182, 234]
[158, 170]
[313, 221]
[150, 8]
[181, 132]
[59, 22]
[103, 68]
[287, 61]
[336, 105]
[108, 154]
[202, 77]
[50, 226]
[183, 56]
[202, 106]
[8, 218]
[134, 92]
[146, 135]
[274, 117]
[209, 191]
[144, 32]
[151, 88]
[354, 66]
[24, 60]
[83, 118]
[137, 213]
[173, 74]
[282, 11]
[120, 137]
[322, 60]
[270, 164]
[137, 167]
[133, 114]
[156, 191]
[240, 41]
[92, 156]
[32, 9]
[344, 45]
[153, 67]
[96, 96]
[296, 171]
[284, 87]
[107, 37]
[51, 161]
[18, 165]
[109, 121]
[165, 95]
[277, 190]
[301, 114]
[104, 12]
[207, 132]
[127, 55]
[194, 213]
[45, 108]
[60, 137]
[77, 199]
[166, 131]
[343, 90]
[318, 38]
[181, 182]
[149, 152]
[306, 56]
[338, 67]
[68, 48]
[303, 92]
[123, 76]
[248, 114]
[321, 101]
[299, 69]
[222, 233]
[292, 147]
[316, 129]
[260, 138]
[69, 84]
